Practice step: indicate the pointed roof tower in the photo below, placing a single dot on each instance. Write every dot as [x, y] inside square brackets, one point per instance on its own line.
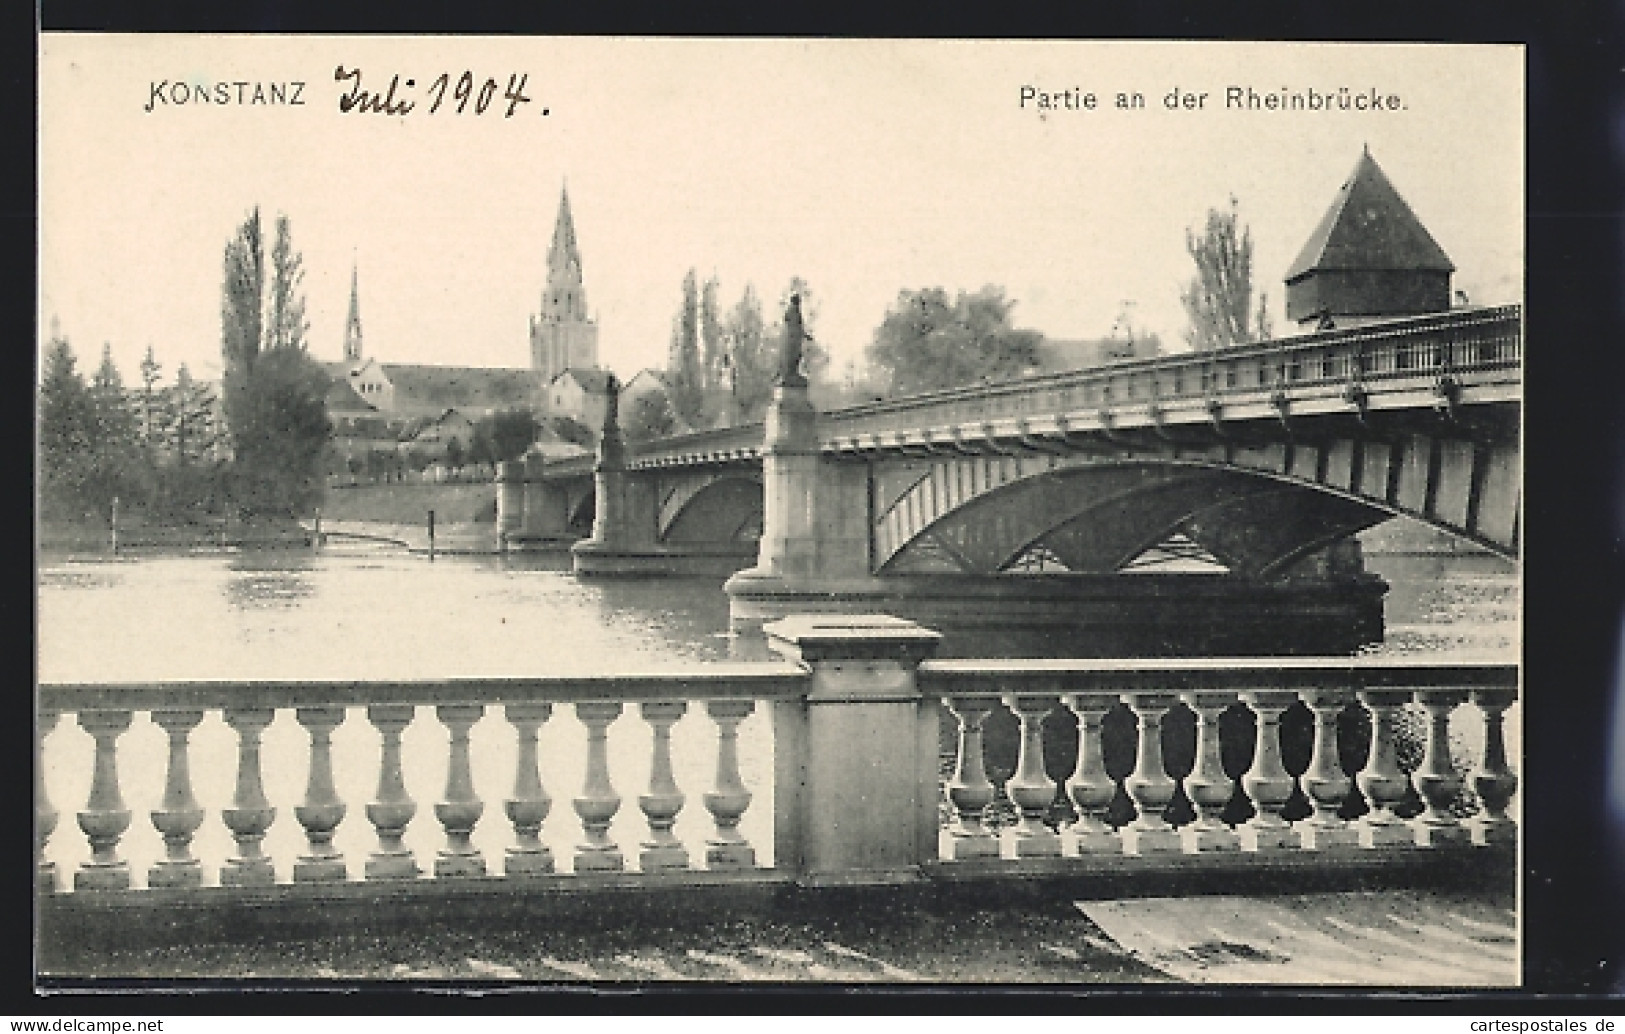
[563, 253]
[1368, 258]
[352, 326]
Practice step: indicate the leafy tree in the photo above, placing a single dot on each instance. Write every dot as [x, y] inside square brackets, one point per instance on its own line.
[714, 356]
[651, 417]
[925, 342]
[509, 433]
[454, 453]
[193, 434]
[285, 323]
[569, 429]
[282, 434]
[274, 390]
[1218, 298]
[750, 357]
[685, 373]
[65, 430]
[241, 319]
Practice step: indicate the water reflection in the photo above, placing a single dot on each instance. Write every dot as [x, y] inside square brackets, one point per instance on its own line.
[269, 579]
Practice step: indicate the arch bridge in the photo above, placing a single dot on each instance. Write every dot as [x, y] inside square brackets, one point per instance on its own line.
[1254, 458]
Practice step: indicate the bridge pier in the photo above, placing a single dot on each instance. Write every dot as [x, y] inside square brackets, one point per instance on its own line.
[814, 553]
[625, 540]
[532, 514]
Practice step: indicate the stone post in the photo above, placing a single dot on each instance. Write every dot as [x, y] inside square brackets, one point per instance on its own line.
[250, 814]
[105, 817]
[1090, 786]
[45, 816]
[865, 811]
[179, 816]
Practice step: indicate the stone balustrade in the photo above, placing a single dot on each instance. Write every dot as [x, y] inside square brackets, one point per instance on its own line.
[856, 717]
[1371, 693]
[725, 695]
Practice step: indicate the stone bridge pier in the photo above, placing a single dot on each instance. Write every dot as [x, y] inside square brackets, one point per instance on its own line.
[534, 514]
[638, 528]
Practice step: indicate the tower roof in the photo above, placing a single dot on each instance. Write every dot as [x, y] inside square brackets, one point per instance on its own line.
[1369, 227]
[563, 250]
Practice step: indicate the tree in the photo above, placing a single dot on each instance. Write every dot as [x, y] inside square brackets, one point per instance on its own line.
[750, 357]
[650, 417]
[273, 390]
[454, 453]
[925, 343]
[569, 429]
[241, 319]
[115, 451]
[714, 356]
[285, 324]
[284, 433]
[684, 371]
[1219, 297]
[150, 404]
[65, 428]
[509, 432]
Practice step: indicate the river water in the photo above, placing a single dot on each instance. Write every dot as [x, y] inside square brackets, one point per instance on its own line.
[382, 613]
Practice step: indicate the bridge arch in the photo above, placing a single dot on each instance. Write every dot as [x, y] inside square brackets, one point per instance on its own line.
[1097, 515]
[723, 508]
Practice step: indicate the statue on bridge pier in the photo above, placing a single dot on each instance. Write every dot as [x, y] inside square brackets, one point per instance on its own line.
[790, 375]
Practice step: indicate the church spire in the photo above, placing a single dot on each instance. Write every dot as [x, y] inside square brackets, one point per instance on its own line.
[352, 327]
[563, 254]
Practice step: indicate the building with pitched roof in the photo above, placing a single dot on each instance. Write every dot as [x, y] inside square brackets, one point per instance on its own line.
[1369, 258]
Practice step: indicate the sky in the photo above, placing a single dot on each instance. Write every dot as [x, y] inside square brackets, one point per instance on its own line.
[864, 167]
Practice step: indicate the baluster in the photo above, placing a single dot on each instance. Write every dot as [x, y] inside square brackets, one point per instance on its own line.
[1325, 782]
[1089, 786]
[598, 801]
[1267, 782]
[970, 791]
[1031, 789]
[1382, 780]
[1208, 786]
[1150, 786]
[528, 807]
[250, 814]
[392, 809]
[105, 817]
[664, 800]
[1436, 780]
[180, 816]
[322, 810]
[1494, 780]
[461, 809]
[44, 815]
[728, 799]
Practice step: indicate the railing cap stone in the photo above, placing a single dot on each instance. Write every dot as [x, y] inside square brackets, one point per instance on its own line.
[820, 637]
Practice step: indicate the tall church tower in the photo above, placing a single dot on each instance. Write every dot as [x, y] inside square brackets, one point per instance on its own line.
[352, 327]
[562, 337]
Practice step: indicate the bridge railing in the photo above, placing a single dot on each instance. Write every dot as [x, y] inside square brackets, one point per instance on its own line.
[844, 756]
[1229, 791]
[1462, 344]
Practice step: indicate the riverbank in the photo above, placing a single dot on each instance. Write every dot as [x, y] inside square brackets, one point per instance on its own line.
[137, 533]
